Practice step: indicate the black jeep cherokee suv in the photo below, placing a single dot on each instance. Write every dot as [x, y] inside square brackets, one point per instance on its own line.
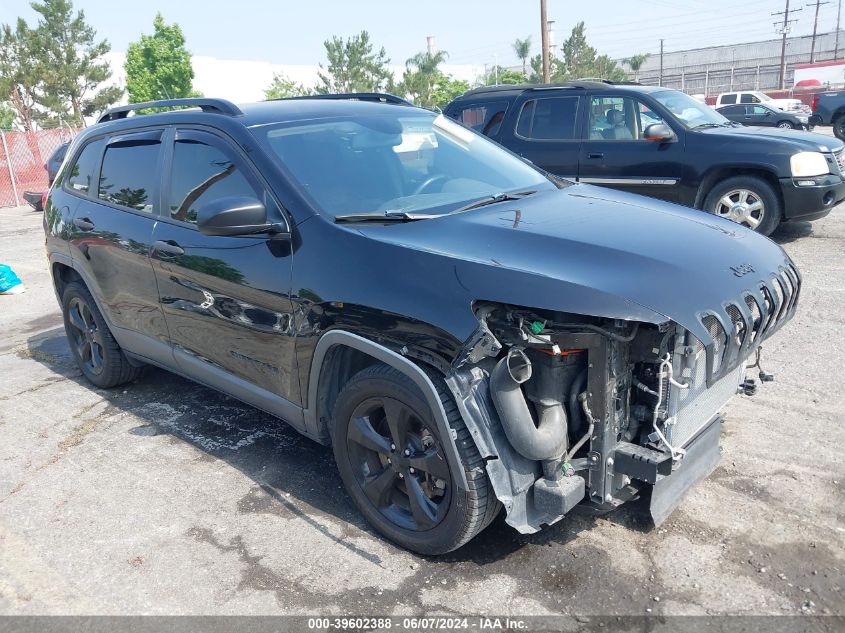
[665, 144]
[465, 331]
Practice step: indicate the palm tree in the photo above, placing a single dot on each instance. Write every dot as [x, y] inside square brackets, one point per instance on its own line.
[421, 74]
[522, 48]
[636, 62]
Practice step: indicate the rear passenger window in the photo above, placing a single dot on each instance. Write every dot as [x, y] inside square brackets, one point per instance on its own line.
[128, 175]
[728, 99]
[552, 118]
[485, 118]
[81, 175]
[202, 173]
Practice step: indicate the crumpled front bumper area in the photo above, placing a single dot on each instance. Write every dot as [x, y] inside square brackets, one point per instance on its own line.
[701, 458]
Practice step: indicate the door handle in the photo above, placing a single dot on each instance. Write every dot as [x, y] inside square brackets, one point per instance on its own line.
[83, 224]
[168, 247]
[595, 155]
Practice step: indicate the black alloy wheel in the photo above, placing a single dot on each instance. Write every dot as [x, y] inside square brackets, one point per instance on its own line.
[399, 464]
[92, 345]
[394, 463]
[85, 336]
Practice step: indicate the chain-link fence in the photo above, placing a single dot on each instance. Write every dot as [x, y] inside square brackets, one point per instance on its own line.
[23, 156]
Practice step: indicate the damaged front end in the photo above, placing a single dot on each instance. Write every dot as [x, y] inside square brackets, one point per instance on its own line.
[567, 409]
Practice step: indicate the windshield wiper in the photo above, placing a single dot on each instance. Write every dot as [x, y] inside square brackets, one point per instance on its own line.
[704, 125]
[494, 199]
[386, 216]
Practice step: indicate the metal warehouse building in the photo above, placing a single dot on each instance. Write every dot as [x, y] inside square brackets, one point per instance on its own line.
[751, 66]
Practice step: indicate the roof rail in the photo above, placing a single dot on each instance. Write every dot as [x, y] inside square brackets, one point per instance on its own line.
[610, 81]
[220, 106]
[378, 97]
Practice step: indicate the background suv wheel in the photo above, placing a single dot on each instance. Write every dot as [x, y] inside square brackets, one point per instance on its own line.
[746, 200]
[91, 343]
[392, 461]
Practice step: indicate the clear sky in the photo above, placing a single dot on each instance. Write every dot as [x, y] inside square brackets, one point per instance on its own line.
[471, 31]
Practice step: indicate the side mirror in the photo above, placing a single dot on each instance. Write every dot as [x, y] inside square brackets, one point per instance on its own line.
[768, 113]
[235, 215]
[659, 133]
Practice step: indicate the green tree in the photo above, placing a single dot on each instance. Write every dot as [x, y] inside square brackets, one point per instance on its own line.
[353, 66]
[71, 64]
[578, 60]
[557, 72]
[158, 66]
[283, 87]
[7, 116]
[635, 62]
[19, 72]
[500, 75]
[522, 48]
[581, 60]
[446, 89]
[421, 76]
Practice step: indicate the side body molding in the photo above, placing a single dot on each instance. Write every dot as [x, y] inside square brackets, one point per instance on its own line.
[410, 369]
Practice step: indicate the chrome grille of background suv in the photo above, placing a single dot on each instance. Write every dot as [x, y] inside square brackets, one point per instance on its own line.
[839, 156]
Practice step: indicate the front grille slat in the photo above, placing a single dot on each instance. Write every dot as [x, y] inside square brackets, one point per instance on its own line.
[734, 332]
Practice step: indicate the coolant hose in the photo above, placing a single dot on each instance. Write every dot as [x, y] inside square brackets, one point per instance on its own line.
[543, 441]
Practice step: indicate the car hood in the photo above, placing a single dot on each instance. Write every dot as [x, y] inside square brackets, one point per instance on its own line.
[800, 141]
[594, 251]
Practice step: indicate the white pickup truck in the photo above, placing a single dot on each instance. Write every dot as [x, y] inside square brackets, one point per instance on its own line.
[754, 96]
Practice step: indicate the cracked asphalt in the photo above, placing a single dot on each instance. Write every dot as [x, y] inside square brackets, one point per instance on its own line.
[163, 497]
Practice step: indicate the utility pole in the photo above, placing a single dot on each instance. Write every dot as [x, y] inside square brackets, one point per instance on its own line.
[817, 4]
[836, 45]
[784, 28]
[660, 76]
[544, 39]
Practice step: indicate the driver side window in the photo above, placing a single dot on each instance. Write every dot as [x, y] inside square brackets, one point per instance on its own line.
[202, 172]
[620, 119]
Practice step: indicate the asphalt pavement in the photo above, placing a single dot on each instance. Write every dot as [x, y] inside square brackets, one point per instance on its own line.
[164, 497]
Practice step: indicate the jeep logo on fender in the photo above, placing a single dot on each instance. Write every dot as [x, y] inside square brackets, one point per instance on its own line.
[742, 269]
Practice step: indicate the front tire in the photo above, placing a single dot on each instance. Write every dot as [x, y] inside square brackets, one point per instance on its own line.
[92, 345]
[393, 463]
[785, 125]
[746, 200]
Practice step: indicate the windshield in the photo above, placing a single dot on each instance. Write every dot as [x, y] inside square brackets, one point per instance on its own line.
[688, 111]
[405, 161]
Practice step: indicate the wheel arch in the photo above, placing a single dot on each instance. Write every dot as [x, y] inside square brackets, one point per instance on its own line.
[839, 112]
[338, 356]
[715, 176]
[63, 274]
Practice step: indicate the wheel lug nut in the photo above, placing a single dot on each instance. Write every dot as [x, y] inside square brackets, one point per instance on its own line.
[407, 452]
[393, 447]
[401, 476]
[411, 470]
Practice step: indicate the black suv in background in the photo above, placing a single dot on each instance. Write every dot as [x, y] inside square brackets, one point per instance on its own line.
[465, 331]
[662, 143]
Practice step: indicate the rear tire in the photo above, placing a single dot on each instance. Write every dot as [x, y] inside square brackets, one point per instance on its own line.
[785, 125]
[92, 345]
[839, 128]
[747, 200]
[382, 423]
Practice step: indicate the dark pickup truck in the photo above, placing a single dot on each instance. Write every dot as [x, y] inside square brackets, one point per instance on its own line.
[829, 109]
[662, 143]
